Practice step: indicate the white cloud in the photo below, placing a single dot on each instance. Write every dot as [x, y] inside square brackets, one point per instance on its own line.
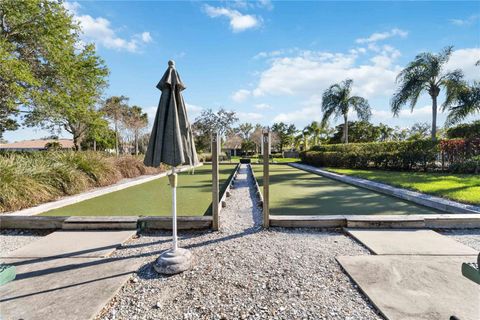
[305, 114]
[193, 109]
[419, 114]
[238, 21]
[465, 60]
[240, 95]
[267, 4]
[465, 22]
[146, 37]
[262, 106]
[249, 116]
[99, 31]
[379, 36]
[72, 7]
[311, 72]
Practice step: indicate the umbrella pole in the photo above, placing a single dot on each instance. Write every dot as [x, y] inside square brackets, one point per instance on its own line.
[173, 183]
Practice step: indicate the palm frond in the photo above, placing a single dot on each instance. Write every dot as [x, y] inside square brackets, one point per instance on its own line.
[467, 102]
[361, 107]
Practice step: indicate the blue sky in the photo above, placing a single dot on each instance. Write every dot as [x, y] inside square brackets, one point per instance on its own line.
[270, 61]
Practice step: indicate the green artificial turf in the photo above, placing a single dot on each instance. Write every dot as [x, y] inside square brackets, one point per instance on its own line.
[194, 197]
[297, 192]
[459, 187]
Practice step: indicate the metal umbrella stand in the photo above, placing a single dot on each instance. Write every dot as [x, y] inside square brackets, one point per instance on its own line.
[171, 142]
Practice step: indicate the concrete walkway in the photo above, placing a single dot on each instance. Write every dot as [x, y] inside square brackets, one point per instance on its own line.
[410, 242]
[65, 275]
[416, 274]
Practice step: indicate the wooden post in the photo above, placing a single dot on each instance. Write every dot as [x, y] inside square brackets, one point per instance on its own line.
[215, 182]
[266, 178]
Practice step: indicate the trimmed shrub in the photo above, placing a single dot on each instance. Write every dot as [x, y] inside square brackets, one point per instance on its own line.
[459, 150]
[419, 154]
[207, 157]
[471, 165]
[465, 131]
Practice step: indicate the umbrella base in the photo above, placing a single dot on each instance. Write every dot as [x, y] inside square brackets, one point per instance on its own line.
[173, 262]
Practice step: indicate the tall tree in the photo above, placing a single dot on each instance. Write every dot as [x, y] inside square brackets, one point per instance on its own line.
[74, 94]
[209, 122]
[338, 101]
[419, 131]
[385, 131]
[245, 129]
[37, 38]
[316, 130]
[358, 131]
[285, 134]
[256, 136]
[135, 120]
[426, 74]
[114, 109]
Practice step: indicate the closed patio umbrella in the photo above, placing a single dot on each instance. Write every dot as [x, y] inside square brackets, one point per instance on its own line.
[171, 142]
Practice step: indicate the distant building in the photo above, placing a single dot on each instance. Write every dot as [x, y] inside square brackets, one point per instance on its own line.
[36, 145]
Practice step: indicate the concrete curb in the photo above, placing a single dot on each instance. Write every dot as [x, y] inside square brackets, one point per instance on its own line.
[123, 184]
[257, 187]
[223, 196]
[103, 223]
[416, 197]
[434, 221]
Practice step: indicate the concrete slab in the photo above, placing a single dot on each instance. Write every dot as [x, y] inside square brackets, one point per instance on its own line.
[410, 242]
[416, 287]
[74, 244]
[61, 289]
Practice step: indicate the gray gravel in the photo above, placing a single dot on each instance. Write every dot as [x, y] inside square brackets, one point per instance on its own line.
[469, 237]
[11, 240]
[244, 272]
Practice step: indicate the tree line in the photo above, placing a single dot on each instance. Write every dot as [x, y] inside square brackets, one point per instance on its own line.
[51, 79]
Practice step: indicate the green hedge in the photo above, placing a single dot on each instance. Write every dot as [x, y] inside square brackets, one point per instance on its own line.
[405, 155]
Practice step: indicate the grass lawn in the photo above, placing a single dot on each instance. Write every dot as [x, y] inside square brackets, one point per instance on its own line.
[194, 197]
[459, 187]
[297, 192]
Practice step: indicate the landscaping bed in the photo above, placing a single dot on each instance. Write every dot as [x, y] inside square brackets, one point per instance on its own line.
[154, 198]
[31, 178]
[297, 192]
[458, 187]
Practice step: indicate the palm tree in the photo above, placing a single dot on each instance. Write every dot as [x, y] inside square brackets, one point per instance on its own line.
[114, 109]
[466, 101]
[425, 74]
[463, 101]
[337, 100]
[385, 132]
[315, 129]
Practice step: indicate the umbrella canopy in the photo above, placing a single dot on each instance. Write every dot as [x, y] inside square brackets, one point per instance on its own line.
[171, 141]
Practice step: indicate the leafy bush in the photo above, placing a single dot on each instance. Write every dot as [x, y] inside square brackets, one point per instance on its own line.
[207, 157]
[465, 131]
[459, 150]
[471, 165]
[392, 155]
[31, 178]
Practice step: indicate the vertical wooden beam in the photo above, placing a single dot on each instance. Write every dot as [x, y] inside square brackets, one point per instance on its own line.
[266, 178]
[215, 180]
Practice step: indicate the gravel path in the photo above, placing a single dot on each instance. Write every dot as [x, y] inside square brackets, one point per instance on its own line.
[244, 272]
[11, 240]
[469, 237]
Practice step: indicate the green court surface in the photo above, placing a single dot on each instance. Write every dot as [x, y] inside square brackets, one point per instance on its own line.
[194, 197]
[297, 192]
